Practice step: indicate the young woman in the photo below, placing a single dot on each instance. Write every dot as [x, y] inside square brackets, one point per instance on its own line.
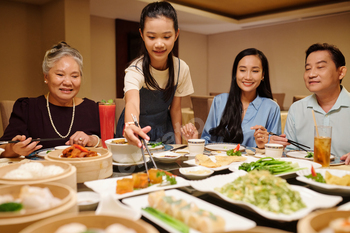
[156, 81]
[247, 113]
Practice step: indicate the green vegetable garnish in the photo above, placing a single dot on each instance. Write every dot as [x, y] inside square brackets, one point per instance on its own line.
[48, 151]
[318, 178]
[170, 179]
[173, 222]
[154, 144]
[309, 155]
[108, 102]
[272, 165]
[10, 207]
[231, 153]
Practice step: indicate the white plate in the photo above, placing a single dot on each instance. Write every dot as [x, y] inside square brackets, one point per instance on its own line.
[233, 221]
[301, 155]
[223, 146]
[302, 164]
[185, 171]
[193, 162]
[312, 199]
[43, 153]
[156, 147]
[161, 156]
[1, 150]
[130, 164]
[110, 186]
[61, 147]
[322, 187]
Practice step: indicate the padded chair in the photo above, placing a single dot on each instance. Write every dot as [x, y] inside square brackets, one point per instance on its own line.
[201, 107]
[119, 107]
[215, 93]
[6, 107]
[298, 97]
[186, 102]
[279, 98]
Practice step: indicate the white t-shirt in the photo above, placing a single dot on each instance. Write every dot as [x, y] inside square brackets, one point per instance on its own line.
[134, 79]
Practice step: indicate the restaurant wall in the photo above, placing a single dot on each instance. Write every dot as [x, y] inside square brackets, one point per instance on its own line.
[193, 50]
[284, 45]
[103, 58]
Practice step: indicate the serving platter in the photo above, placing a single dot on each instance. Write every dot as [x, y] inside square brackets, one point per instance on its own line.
[110, 186]
[312, 199]
[193, 162]
[322, 187]
[222, 146]
[233, 221]
[302, 164]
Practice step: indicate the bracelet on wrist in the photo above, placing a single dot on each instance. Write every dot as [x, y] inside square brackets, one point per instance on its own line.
[98, 140]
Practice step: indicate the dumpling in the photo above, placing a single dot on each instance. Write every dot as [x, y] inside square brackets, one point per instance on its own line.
[72, 228]
[116, 227]
[19, 174]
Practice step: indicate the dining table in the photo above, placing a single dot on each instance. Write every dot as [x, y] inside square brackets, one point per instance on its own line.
[262, 224]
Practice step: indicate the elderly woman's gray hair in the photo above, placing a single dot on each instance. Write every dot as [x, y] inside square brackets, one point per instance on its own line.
[58, 51]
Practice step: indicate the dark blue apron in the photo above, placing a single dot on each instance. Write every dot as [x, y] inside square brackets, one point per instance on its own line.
[154, 112]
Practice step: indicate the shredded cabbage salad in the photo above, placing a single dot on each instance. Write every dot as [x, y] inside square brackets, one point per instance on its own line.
[265, 191]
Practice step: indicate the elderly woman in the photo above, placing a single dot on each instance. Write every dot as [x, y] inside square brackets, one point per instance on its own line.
[59, 114]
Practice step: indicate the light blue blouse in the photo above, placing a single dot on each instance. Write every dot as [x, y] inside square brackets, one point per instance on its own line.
[262, 111]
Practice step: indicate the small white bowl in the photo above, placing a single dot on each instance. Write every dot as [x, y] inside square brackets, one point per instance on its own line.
[88, 200]
[273, 150]
[123, 153]
[166, 156]
[196, 173]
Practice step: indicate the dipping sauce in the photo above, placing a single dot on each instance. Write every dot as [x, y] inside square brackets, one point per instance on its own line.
[198, 172]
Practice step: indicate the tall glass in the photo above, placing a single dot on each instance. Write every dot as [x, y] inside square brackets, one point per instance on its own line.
[322, 145]
[107, 119]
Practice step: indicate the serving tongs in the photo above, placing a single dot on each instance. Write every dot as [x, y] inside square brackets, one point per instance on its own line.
[297, 144]
[145, 144]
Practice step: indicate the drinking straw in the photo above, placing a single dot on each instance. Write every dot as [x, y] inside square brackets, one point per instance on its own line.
[313, 114]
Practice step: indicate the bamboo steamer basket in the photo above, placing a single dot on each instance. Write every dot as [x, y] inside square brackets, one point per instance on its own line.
[90, 220]
[319, 220]
[90, 168]
[12, 222]
[68, 177]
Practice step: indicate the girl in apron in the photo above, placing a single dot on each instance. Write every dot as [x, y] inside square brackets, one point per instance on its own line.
[156, 81]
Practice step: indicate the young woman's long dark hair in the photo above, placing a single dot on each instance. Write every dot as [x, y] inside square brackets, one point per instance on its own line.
[156, 10]
[230, 125]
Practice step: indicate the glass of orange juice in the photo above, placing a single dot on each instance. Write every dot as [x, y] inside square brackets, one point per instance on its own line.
[322, 145]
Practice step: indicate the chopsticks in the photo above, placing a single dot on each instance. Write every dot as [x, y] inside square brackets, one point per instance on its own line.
[300, 146]
[34, 140]
[145, 144]
[180, 147]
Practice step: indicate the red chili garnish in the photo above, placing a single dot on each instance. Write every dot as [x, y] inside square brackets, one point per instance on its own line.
[237, 148]
[80, 148]
[313, 172]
